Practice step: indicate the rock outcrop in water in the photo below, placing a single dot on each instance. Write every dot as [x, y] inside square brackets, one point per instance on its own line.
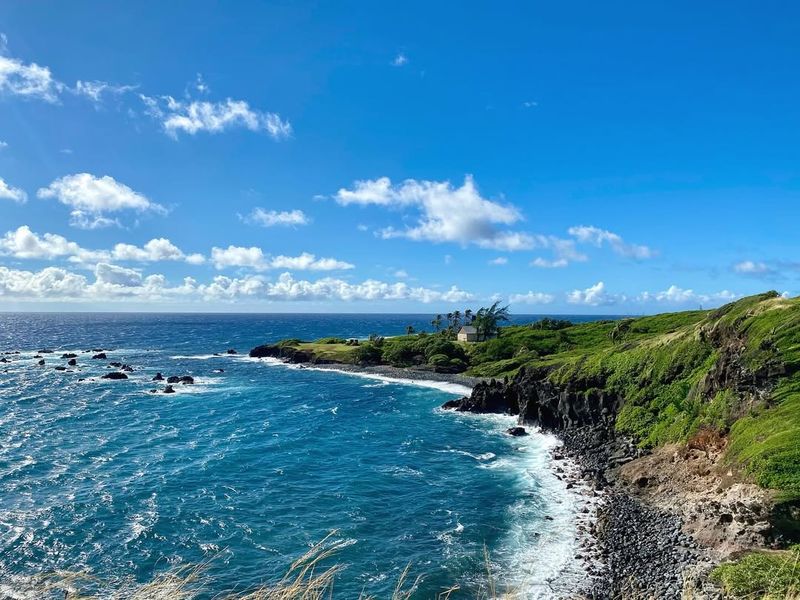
[114, 375]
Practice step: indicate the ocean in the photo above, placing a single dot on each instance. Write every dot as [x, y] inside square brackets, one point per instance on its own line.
[256, 461]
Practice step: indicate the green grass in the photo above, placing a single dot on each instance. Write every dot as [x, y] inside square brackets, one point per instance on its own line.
[329, 351]
[761, 575]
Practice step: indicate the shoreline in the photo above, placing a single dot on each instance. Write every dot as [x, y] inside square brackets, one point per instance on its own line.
[564, 465]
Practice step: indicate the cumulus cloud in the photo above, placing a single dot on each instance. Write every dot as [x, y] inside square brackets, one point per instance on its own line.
[677, 295]
[91, 197]
[272, 218]
[28, 80]
[500, 260]
[531, 298]
[23, 243]
[754, 269]
[8, 192]
[159, 249]
[595, 295]
[213, 117]
[447, 214]
[598, 237]
[255, 258]
[118, 283]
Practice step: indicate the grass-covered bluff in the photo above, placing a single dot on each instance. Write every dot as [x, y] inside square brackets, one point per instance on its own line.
[734, 371]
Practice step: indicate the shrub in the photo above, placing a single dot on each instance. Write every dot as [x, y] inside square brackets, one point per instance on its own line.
[367, 354]
[439, 360]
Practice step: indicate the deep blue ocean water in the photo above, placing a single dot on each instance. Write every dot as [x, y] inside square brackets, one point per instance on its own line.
[251, 465]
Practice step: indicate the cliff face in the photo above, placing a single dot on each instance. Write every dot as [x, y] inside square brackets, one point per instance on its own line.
[537, 400]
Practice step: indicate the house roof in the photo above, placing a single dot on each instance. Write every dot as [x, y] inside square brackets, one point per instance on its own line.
[468, 329]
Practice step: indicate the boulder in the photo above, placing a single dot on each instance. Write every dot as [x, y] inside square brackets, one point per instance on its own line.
[158, 377]
[127, 368]
[41, 362]
[516, 431]
[44, 351]
[173, 379]
[100, 356]
[187, 379]
[169, 389]
[231, 351]
[69, 355]
[115, 364]
[60, 368]
[72, 362]
[114, 375]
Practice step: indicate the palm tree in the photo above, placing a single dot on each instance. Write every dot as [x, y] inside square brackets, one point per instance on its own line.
[437, 322]
[409, 330]
[456, 319]
[468, 317]
[488, 320]
[450, 320]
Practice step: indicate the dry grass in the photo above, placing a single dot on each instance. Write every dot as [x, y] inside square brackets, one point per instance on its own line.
[306, 579]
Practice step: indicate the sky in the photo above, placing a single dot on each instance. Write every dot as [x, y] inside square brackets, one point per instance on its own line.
[566, 158]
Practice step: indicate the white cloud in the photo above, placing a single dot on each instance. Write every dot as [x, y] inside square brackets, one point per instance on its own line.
[214, 117]
[90, 197]
[254, 258]
[749, 267]
[500, 260]
[530, 104]
[401, 274]
[676, 295]
[448, 214]
[595, 295]
[598, 237]
[8, 192]
[156, 250]
[118, 283]
[28, 80]
[271, 218]
[3, 145]
[84, 220]
[23, 243]
[94, 90]
[400, 60]
[115, 275]
[51, 282]
[543, 263]
[564, 251]
[531, 298]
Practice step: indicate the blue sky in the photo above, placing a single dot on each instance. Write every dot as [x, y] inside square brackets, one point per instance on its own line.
[575, 158]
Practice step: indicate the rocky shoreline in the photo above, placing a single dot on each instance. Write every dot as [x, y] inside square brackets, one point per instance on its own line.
[631, 548]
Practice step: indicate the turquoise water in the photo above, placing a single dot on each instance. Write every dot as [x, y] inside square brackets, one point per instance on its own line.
[251, 465]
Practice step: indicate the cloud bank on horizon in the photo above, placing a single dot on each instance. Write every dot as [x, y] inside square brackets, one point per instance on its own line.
[153, 185]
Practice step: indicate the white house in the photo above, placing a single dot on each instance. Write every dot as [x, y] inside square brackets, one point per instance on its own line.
[468, 333]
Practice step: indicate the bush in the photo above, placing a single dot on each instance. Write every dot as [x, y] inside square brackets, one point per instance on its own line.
[439, 360]
[367, 354]
[548, 324]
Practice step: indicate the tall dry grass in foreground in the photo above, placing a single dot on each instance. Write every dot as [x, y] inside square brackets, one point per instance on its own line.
[306, 579]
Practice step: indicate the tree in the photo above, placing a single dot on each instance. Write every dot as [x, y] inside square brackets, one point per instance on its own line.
[437, 322]
[409, 330]
[456, 319]
[488, 320]
[468, 316]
